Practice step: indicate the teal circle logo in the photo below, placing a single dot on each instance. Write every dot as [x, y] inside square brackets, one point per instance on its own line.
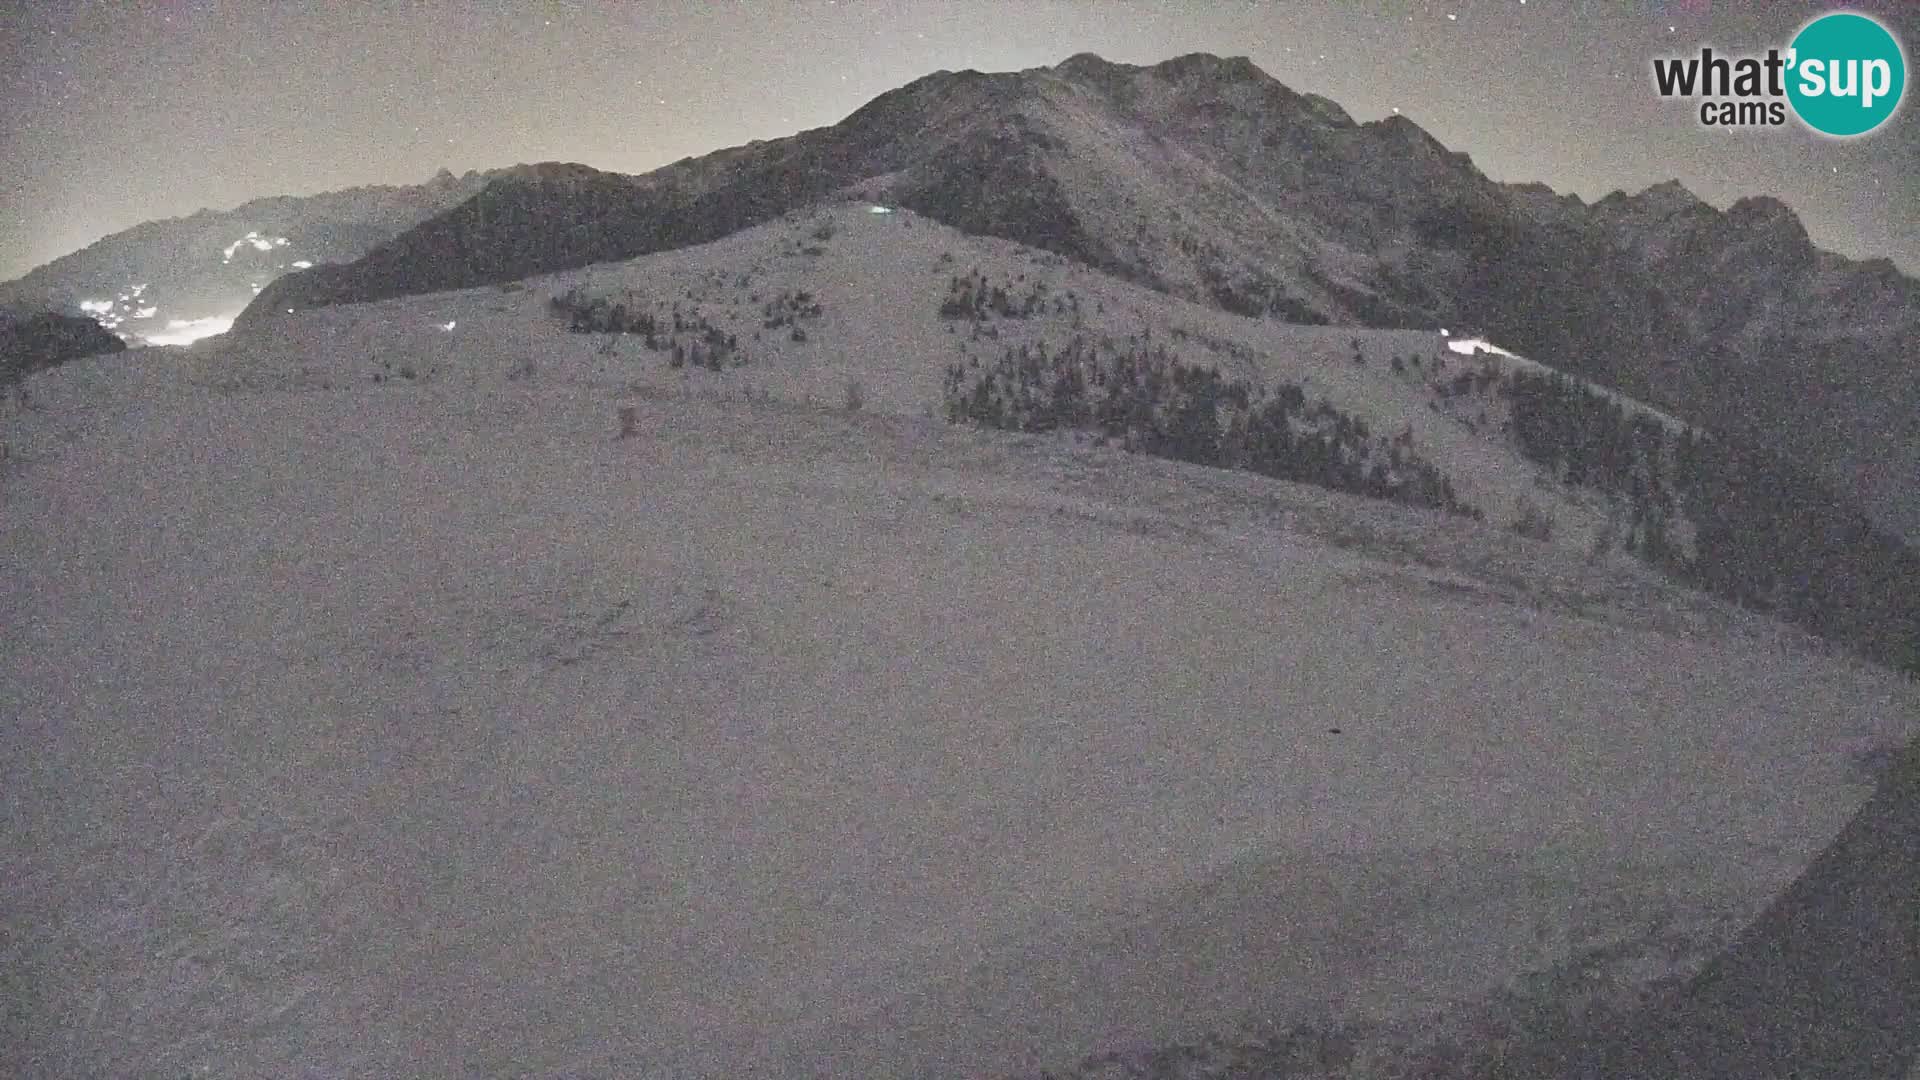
[1846, 74]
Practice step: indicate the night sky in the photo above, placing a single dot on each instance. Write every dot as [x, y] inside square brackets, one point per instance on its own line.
[115, 112]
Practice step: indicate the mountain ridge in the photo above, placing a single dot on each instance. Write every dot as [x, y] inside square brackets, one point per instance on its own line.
[207, 264]
[1206, 178]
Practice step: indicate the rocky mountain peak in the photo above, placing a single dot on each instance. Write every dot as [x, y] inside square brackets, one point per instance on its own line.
[1766, 220]
[1764, 212]
[1402, 130]
[1669, 195]
[1088, 65]
[1656, 212]
[1231, 81]
[1198, 65]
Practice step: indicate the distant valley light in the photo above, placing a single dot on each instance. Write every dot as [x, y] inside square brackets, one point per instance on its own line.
[188, 331]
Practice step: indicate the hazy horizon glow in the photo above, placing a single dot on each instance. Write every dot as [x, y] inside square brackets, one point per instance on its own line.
[188, 331]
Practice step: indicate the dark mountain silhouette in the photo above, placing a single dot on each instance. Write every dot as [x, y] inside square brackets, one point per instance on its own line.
[207, 264]
[1791, 346]
[30, 343]
[1206, 178]
[1200, 176]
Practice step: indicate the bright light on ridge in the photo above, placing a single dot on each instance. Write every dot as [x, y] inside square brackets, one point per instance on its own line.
[259, 243]
[1469, 346]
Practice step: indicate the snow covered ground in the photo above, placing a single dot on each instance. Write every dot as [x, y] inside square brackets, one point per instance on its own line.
[425, 728]
[879, 281]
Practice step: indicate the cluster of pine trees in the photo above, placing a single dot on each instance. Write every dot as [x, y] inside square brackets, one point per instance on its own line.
[1154, 403]
[1771, 535]
[789, 308]
[709, 347]
[1588, 439]
[1767, 533]
[974, 297]
[599, 315]
[1259, 297]
[1465, 383]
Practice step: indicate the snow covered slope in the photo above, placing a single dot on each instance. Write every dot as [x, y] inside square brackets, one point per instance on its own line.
[368, 707]
[878, 282]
